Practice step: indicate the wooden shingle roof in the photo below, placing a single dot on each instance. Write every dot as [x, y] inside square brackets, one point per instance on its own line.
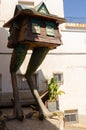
[21, 11]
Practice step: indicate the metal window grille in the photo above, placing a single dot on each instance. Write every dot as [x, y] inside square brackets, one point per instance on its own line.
[59, 77]
[71, 116]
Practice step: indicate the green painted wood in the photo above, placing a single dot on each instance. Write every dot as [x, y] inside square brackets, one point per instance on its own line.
[36, 59]
[50, 28]
[35, 25]
[18, 57]
[42, 8]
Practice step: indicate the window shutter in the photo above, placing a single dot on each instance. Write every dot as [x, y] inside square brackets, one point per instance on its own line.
[35, 25]
[50, 26]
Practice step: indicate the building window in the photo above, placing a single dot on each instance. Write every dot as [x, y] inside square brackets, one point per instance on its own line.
[59, 77]
[71, 116]
[35, 25]
[22, 82]
[50, 26]
[0, 82]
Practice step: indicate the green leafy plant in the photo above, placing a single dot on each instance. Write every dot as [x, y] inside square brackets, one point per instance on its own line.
[54, 89]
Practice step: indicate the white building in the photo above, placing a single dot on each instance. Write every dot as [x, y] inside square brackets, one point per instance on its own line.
[73, 66]
[67, 61]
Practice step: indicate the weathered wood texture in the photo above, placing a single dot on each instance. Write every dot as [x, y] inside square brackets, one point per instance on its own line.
[24, 34]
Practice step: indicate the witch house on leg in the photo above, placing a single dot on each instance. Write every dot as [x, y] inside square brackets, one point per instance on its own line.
[31, 29]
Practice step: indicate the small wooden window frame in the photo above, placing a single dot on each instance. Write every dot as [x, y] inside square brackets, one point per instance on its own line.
[35, 25]
[50, 27]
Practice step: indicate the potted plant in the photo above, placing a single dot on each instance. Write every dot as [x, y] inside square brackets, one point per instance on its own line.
[54, 91]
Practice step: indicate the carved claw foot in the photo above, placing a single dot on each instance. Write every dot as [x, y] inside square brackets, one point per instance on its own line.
[41, 115]
[12, 117]
[20, 117]
[18, 114]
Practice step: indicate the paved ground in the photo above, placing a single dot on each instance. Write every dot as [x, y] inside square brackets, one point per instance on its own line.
[31, 124]
[76, 126]
[74, 129]
[35, 124]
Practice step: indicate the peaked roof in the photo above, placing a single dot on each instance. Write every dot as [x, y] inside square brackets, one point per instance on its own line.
[17, 9]
[38, 11]
[42, 6]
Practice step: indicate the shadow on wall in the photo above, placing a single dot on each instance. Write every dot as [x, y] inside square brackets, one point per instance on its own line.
[26, 97]
[42, 81]
[3, 40]
[38, 79]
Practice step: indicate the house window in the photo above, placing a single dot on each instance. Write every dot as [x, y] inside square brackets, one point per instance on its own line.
[50, 26]
[22, 82]
[58, 77]
[71, 116]
[35, 25]
[42, 10]
[0, 82]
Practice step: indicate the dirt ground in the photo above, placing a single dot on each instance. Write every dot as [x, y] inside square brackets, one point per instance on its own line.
[32, 123]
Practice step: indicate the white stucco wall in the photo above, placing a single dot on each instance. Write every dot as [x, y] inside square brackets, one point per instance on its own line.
[7, 9]
[74, 70]
[55, 7]
[6, 12]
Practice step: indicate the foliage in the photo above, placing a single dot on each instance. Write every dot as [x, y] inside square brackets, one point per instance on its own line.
[54, 89]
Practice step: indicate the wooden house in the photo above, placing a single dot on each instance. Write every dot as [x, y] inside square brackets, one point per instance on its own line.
[34, 27]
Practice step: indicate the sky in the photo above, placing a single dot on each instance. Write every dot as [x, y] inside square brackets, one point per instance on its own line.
[76, 9]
